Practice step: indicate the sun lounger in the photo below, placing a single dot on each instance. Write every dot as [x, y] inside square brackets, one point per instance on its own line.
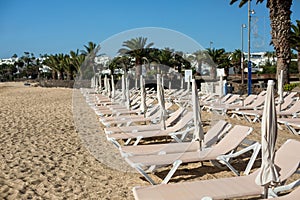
[232, 100]
[287, 160]
[244, 103]
[255, 115]
[153, 118]
[215, 99]
[119, 111]
[212, 136]
[139, 128]
[291, 123]
[128, 117]
[255, 105]
[126, 121]
[221, 152]
[293, 111]
[172, 131]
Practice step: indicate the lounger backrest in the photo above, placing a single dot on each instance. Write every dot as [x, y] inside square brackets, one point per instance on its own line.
[232, 99]
[291, 95]
[182, 122]
[174, 116]
[287, 158]
[249, 99]
[232, 139]
[156, 112]
[258, 101]
[295, 107]
[215, 133]
[152, 110]
[288, 101]
[227, 96]
[262, 93]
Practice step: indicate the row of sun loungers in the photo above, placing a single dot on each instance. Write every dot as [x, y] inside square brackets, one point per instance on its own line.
[251, 109]
[135, 135]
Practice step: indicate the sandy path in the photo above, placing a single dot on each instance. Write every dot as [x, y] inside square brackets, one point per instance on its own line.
[42, 156]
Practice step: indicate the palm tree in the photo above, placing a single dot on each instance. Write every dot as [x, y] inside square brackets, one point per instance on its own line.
[136, 48]
[295, 40]
[270, 54]
[77, 60]
[220, 60]
[50, 62]
[90, 53]
[163, 57]
[68, 67]
[236, 60]
[120, 62]
[90, 49]
[54, 62]
[280, 16]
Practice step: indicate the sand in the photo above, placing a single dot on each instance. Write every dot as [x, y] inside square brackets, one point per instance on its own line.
[48, 153]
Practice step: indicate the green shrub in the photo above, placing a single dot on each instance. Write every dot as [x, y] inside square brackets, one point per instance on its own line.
[289, 87]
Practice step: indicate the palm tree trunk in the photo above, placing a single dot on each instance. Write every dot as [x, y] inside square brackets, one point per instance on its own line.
[280, 12]
[53, 74]
[138, 67]
[213, 72]
[59, 75]
[200, 67]
[69, 76]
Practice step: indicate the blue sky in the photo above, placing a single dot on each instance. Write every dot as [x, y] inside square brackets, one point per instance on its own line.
[58, 26]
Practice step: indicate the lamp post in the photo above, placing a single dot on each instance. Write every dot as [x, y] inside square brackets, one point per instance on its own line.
[249, 57]
[242, 52]
[210, 44]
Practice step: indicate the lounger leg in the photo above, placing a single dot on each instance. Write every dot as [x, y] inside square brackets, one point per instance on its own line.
[176, 164]
[127, 141]
[247, 118]
[235, 115]
[141, 171]
[291, 129]
[256, 149]
[279, 127]
[256, 119]
[138, 139]
[224, 161]
[115, 142]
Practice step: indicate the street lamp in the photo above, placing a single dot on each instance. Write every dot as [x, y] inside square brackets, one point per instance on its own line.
[210, 44]
[249, 61]
[242, 52]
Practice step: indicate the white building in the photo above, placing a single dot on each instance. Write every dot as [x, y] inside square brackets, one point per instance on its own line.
[260, 58]
[103, 60]
[8, 61]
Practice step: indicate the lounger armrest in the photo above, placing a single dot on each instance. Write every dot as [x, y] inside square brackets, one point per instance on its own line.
[225, 158]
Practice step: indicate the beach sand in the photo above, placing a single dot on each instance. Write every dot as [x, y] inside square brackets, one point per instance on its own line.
[48, 153]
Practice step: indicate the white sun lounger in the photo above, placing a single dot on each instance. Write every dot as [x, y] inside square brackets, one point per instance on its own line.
[139, 128]
[291, 123]
[255, 115]
[175, 132]
[221, 152]
[212, 136]
[287, 160]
